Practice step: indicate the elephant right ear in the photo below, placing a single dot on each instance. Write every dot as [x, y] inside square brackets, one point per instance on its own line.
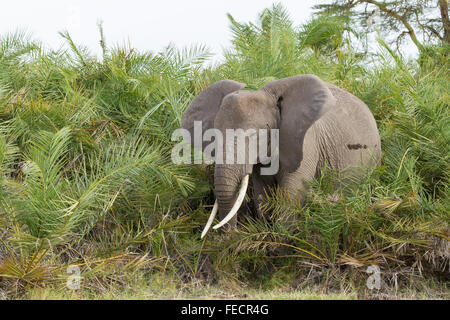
[302, 100]
[206, 105]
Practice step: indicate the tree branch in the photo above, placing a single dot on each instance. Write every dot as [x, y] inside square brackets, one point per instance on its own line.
[383, 7]
[443, 6]
[428, 27]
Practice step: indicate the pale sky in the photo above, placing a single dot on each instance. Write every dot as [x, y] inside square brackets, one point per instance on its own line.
[147, 25]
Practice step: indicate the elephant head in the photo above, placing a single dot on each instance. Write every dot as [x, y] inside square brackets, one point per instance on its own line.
[290, 105]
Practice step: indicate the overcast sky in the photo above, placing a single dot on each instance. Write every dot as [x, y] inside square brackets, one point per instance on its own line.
[147, 25]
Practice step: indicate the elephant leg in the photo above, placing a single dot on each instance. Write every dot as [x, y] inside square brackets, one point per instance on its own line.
[261, 187]
[296, 182]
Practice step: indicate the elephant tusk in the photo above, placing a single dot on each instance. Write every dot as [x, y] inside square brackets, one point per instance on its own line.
[211, 219]
[236, 205]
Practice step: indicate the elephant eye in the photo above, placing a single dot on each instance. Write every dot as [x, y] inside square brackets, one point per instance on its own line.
[280, 99]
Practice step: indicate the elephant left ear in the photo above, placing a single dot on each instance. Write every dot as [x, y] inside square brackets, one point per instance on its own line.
[302, 101]
[205, 106]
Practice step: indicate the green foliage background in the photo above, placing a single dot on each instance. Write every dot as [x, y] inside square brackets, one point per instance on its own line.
[86, 176]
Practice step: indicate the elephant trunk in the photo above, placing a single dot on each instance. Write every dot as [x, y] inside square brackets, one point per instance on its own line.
[236, 205]
[226, 184]
[229, 196]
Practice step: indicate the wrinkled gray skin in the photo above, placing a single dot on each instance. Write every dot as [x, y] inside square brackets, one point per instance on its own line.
[320, 124]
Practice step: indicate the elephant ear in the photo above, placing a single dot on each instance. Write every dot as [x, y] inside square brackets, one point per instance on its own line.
[302, 101]
[205, 106]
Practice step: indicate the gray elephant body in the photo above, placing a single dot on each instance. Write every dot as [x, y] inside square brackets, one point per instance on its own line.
[319, 124]
[345, 139]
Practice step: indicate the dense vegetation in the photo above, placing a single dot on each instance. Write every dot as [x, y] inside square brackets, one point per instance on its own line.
[86, 177]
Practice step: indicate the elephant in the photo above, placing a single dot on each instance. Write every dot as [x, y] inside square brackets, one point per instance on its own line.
[319, 124]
